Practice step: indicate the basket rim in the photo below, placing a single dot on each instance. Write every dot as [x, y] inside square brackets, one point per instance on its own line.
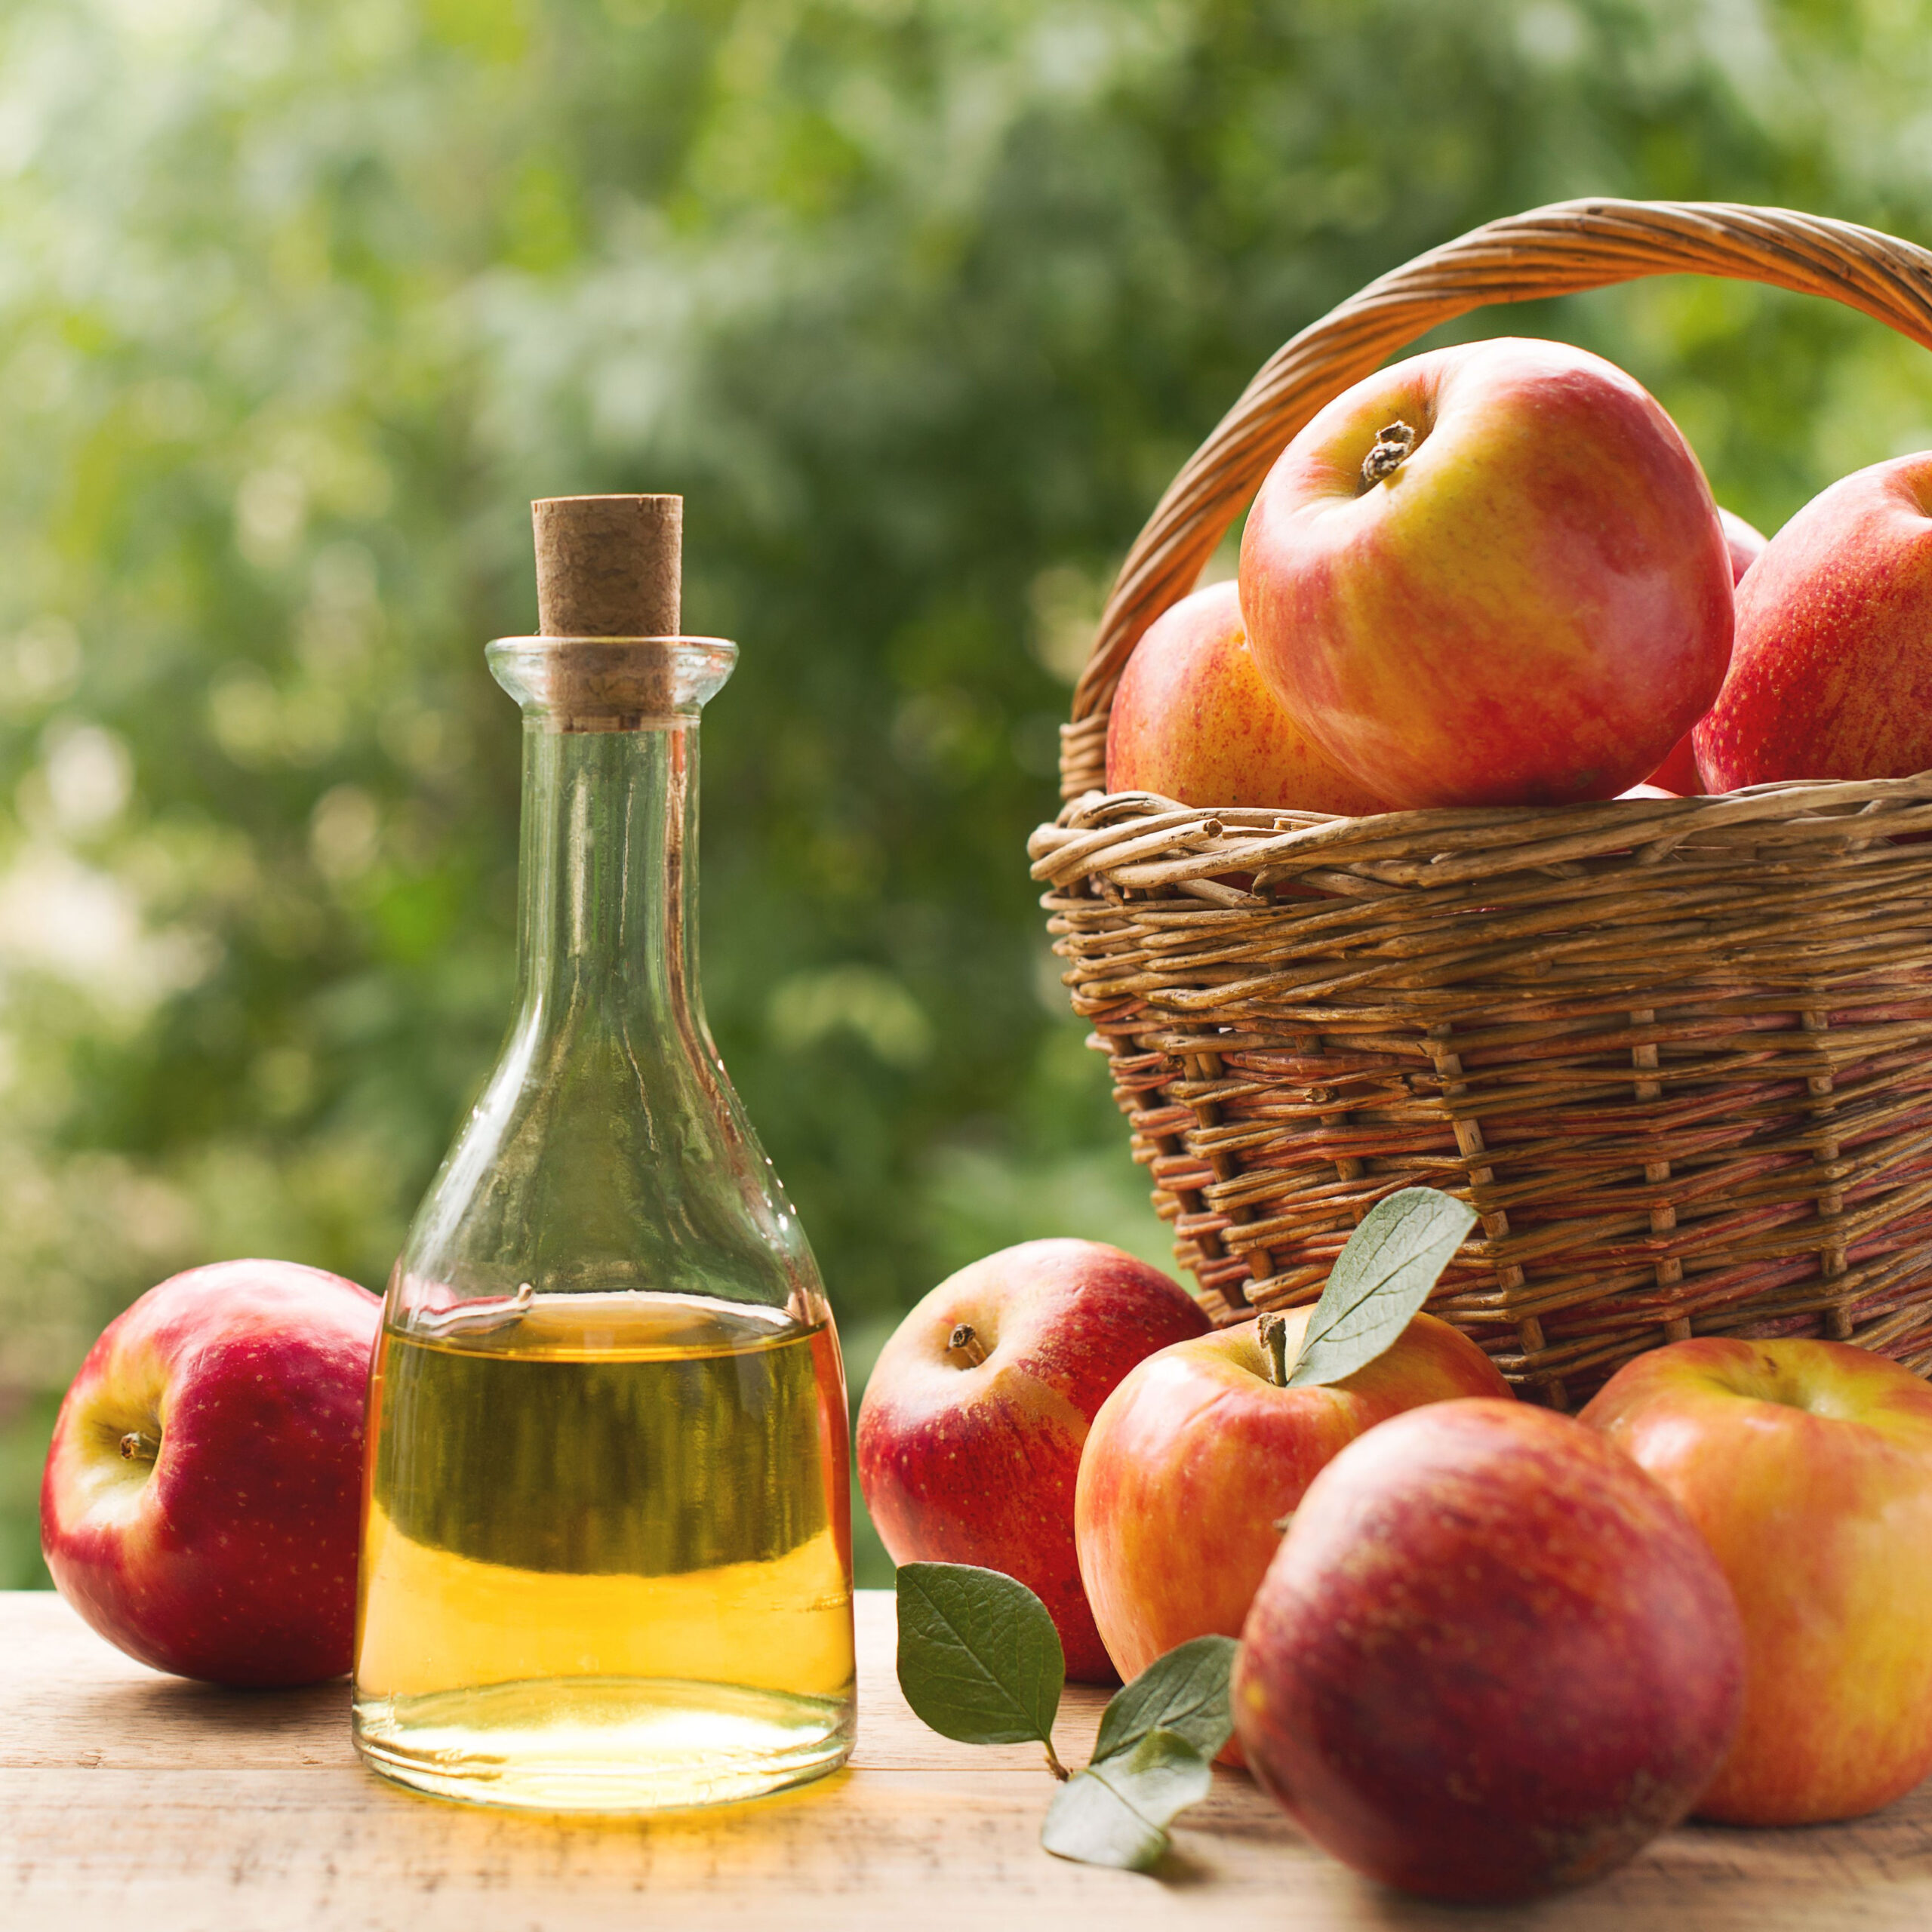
[1140, 841]
[1564, 247]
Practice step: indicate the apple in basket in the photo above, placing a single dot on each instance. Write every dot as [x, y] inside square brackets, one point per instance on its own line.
[1678, 773]
[1831, 676]
[1492, 574]
[1193, 721]
[1193, 1461]
[1745, 542]
[970, 1433]
[1808, 1465]
[201, 1502]
[1491, 1658]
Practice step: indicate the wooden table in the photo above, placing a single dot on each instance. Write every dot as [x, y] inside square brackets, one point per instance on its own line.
[144, 1803]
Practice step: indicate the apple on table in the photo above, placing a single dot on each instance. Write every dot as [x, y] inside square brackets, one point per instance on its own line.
[1807, 1467]
[970, 1433]
[201, 1499]
[1492, 1657]
[1194, 1460]
[1490, 574]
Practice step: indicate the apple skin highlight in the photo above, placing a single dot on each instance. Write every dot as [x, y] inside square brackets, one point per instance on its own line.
[224, 1546]
[1807, 1467]
[966, 1462]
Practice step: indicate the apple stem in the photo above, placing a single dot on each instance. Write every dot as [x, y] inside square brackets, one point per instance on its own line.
[1392, 448]
[964, 1341]
[137, 1446]
[1053, 1764]
[1272, 1332]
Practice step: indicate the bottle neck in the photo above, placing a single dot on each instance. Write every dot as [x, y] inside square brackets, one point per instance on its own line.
[608, 922]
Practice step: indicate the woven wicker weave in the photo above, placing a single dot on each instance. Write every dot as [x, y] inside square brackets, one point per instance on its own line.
[1676, 1052]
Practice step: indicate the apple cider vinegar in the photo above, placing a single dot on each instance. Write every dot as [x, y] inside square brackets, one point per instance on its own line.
[607, 1554]
[606, 1528]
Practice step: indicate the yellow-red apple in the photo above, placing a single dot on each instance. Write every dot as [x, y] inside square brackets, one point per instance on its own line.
[1808, 1465]
[1492, 574]
[1678, 773]
[201, 1496]
[971, 1430]
[1195, 1458]
[1193, 720]
[1491, 1658]
[1831, 675]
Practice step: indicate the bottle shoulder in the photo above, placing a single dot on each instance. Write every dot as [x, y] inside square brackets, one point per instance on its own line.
[603, 1157]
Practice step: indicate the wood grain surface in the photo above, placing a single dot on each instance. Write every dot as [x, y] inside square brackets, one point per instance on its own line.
[140, 1802]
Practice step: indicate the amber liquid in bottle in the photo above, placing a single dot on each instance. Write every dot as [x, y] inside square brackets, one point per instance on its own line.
[606, 1553]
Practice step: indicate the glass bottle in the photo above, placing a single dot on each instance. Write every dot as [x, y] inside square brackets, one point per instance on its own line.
[607, 1552]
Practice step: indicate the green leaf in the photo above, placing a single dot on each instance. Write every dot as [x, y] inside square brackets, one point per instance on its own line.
[1380, 1282]
[979, 1658]
[1185, 1692]
[1117, 1810]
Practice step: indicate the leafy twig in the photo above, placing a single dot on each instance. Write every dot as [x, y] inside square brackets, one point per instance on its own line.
[979, 1661]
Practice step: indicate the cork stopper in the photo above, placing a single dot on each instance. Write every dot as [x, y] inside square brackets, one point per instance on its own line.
[608, 566]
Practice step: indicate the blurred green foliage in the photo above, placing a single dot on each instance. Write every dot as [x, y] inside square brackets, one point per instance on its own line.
[920, 303]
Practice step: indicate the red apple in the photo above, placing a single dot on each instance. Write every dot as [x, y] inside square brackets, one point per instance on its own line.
[1193, 721]
[1195, 1458]
[1492, 1658]
[1745, 542]
[1532, 606]
[1677, 777]
[1678, 773]
[970, 1431]
[1831, 676]
[1808, 1465]
[201, 1502]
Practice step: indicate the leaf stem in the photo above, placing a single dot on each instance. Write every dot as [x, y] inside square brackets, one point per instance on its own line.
[1272, 1332]
[1053, 1764]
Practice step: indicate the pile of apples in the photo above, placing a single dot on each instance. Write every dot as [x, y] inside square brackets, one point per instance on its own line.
[1485, 1649]
[1494, 575]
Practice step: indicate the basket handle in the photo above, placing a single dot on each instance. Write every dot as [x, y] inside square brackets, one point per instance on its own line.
[1556, 250]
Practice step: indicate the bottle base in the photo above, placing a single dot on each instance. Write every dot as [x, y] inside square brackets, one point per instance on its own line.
[605, 1745]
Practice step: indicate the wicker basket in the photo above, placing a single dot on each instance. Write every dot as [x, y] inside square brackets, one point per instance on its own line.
[1678, 1053]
